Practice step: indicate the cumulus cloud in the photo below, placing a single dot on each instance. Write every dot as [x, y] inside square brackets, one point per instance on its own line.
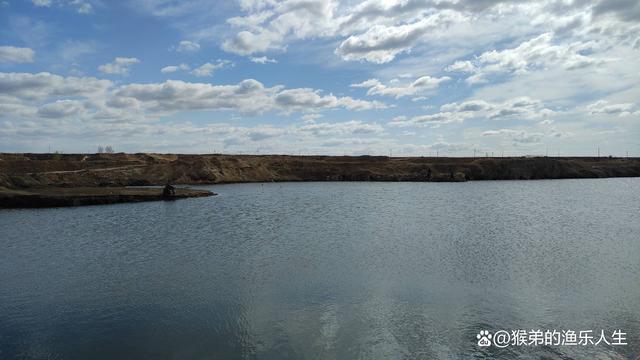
[350, 103]
[536, 53]
[350, 142]
[119, 66]
[16, 55]
[208, 69]
[627, 10]
[378, 31]
[519, 137]
[61, 109]
[27, 86]
[262, 60]
[464, 66]
[81, 6]
[372, 30]
[174, 68]
[270, 25]
[341, 128]
[263, 132]
[106, 99]
[41, 3]
[418, 86]
[447, 147]
[173, 95]
[604, 107]
[305, 99]
[197, 137]
[521, 108]
[310, 118]
[382, 43]
[433, 120]
[188, 46]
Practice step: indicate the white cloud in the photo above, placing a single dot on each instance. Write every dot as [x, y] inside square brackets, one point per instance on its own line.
[341, 128]
[519, 137]
[310, 118]
[81, 6]
[516, 48]
[16, 55]
[306, 99]
[173, 68]
[188, 46]
[262, 132]
[40, 3]
[208, 69]
[119, 66]
[433, 120]
[26, 86]
[270, 25]
[461, 66]
[173, 95]
[377, 31]
[382, 43]
[419, 86]
[373, 30]
[350, 103]
[604, 107]
[263, 60]
[537, 53]
[50, 96]
[628, 10]
[350, 142]
[61, 109]
[447, 147]
[302, 98]
[521, 108]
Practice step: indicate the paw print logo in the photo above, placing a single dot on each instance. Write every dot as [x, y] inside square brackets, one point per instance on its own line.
[484, 338]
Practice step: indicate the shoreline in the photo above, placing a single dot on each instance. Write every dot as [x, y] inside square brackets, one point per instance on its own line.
[20, 171]
[45, 180]
[65, 197]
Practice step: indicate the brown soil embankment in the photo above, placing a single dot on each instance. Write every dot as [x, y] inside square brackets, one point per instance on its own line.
[20, 171]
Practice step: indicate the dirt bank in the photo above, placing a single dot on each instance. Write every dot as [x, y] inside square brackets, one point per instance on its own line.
[24, 171]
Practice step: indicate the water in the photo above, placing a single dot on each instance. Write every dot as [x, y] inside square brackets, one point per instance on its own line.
[325, 271]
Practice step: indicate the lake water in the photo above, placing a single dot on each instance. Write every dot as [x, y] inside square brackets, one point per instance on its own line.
[326, 271]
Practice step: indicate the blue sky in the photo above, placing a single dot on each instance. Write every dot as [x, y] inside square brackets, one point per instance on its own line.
[407, 77]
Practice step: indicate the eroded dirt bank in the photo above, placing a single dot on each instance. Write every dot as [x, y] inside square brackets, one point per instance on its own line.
[21, 171]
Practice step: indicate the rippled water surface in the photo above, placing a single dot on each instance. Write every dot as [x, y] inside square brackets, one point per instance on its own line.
[325, 271]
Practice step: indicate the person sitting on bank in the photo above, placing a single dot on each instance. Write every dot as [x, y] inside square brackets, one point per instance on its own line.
[168, 190]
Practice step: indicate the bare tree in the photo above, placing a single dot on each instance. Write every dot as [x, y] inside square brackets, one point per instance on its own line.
[100, 149]
[108, 149]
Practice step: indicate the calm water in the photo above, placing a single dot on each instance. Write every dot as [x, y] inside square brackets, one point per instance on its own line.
[325, 271]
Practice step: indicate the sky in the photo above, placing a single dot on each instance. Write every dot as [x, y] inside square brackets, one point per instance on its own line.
[376, 77]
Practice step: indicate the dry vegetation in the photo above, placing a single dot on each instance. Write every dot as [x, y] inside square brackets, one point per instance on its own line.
[100, 170]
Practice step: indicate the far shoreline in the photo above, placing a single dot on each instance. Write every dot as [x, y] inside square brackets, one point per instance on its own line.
[45, 180]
